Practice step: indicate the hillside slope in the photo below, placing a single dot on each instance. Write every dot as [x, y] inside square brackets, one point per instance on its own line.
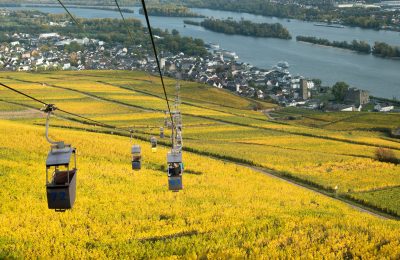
[224, 211]
[225, 126]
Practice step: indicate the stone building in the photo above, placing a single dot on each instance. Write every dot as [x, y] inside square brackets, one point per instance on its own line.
[304, 93]
[356, 96]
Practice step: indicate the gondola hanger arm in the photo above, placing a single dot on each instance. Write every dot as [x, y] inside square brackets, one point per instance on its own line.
[49, 108]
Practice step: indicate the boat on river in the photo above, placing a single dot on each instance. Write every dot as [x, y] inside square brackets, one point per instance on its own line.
[214, 46]
[230, 54]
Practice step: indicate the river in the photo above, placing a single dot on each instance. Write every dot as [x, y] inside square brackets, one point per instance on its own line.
[379, 76]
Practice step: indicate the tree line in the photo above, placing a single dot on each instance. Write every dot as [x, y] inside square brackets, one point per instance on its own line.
[380, 49]
[245, 27]
[190, 22]
[322, 11]
[170, 11]
[105, 8]
[385, 50]
[358, 46]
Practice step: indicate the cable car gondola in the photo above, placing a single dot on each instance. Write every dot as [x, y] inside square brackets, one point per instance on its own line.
[60, 176]
[61, 188]
[175, 170]
[136, 157]
[136, 152]
[153, 141]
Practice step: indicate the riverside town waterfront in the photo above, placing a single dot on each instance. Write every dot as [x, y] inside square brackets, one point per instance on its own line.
[379, 76]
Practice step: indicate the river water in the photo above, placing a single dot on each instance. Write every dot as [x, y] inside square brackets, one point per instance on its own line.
[379, 76]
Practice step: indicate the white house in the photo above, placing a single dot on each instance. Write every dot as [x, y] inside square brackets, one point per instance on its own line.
[39, 61]
[351, 109]
[383, 108]
[24, 68]
[48, 35]
[79, 41]
[347, 109]
[62, 43]
[260, 94]
[66, 66]
[26, 55]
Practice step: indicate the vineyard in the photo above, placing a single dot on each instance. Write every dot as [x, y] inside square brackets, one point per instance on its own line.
[228, 209]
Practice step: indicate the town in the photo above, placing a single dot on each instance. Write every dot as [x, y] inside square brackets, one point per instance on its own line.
[221, 69]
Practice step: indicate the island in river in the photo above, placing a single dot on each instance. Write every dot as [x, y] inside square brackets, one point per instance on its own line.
[244, 27]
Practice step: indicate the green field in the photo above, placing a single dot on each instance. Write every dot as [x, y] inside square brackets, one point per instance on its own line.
[386, 198]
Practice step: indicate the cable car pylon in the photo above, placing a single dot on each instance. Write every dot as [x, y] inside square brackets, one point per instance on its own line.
[60, 177]
[174, 157]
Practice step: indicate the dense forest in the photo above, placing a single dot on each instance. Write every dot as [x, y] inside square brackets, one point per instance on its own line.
[109, 30]
[170, 10]
[358, 46]
[244, 27]
[365, 18]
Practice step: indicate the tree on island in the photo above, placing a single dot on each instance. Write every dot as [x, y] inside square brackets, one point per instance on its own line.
[359, 46]
[385, 50]
[245, 27]
[339, 90]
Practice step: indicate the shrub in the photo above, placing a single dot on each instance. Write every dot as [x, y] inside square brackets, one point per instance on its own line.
[386, 155]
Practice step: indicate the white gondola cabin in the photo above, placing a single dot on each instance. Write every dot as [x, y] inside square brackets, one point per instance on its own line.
[136, 157]
[175, 170]
[61, 177]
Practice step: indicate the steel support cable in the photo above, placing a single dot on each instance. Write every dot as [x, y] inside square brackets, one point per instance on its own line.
[94, 122]
[23, 94]
[83, 30]
[158, 62]
[127, 28]
[125, 22]
[152, 41]
[70, 15]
